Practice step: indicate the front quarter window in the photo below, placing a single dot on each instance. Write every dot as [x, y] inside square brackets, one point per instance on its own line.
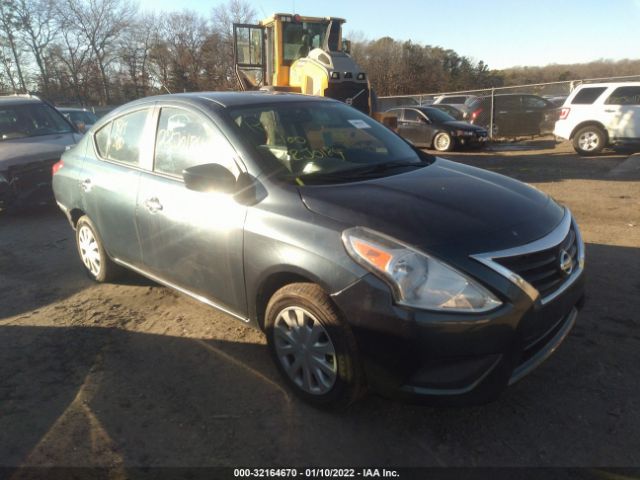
[120, 139]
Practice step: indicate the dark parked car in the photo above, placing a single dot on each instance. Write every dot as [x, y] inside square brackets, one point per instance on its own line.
[515, 114]
[366, 261]
[82, 118]
[450, 110]
[33, 136]
[433, 128]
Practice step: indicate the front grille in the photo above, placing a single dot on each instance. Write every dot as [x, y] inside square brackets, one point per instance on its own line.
[29, 183]
[542, 269]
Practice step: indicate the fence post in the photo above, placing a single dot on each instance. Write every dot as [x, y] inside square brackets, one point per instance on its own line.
[493, 92]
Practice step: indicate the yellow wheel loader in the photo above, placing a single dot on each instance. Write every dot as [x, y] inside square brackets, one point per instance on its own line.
[300, 54]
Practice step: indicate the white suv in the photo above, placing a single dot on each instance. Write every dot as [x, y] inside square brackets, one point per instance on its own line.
[599, 114]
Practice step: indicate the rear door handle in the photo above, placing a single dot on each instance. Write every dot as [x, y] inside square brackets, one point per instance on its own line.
[609, 110]
[86, 184]
[153, 205]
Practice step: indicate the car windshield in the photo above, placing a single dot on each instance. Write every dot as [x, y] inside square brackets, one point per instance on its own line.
[30, 120]
[323, 142]
[438, 116]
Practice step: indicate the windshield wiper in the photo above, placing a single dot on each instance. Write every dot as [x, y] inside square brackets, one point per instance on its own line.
[353, 173]
[383, 167]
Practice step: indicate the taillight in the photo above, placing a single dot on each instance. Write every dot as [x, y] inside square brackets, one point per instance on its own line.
[564, 113]
[475, 114]
[56, 166]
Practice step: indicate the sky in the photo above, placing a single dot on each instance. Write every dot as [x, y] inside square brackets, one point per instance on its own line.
[502, 33]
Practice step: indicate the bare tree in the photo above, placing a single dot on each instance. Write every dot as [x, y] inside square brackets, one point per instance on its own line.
[73, 54]
[100, 22]
[136, 46]
[184, 35]
[10, 24]
[223, 18]
[38, 30]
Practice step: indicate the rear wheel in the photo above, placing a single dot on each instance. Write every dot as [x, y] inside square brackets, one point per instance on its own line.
[92, 253]
[443, 142]
[312, 347]
[589, 140]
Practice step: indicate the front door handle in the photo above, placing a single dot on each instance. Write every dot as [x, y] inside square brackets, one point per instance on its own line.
[609, 110]
[153, 205]
[86, 184]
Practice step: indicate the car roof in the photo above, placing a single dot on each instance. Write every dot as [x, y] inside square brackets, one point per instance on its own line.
[233, 99]
[449, 95]
[609, 84]
[72, 109]
[18, 100]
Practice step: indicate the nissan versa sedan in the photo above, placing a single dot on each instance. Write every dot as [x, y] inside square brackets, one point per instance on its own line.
[367, 263]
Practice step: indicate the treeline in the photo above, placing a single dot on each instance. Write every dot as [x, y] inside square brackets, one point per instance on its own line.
[404, 68]
[557, 72]
[106, 52]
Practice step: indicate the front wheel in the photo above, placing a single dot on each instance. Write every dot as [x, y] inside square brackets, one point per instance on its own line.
[589, 140]
[92, 253]
[443, 142]
[313, 348]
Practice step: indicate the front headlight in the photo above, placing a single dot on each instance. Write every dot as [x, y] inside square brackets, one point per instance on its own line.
[417, 279]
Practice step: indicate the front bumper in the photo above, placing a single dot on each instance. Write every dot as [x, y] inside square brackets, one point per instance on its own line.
[475, 140]
[27, 185]
[453, 358]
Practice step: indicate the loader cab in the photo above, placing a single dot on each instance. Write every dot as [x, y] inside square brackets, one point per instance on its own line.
[300, 54]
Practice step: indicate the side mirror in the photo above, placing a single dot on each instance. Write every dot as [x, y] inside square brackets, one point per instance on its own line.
[346, 46]
[81, 126]
[209, 177]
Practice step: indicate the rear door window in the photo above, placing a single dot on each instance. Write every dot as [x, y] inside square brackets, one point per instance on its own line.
[624, 96]
[454, 100]
[120, 139]
[529, 101]
[511, 102]
[587, 96]
[185, 139]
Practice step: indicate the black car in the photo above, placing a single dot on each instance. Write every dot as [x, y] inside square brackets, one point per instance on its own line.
[514, 114]
[366, 262]
[33, 136]
[432, 128]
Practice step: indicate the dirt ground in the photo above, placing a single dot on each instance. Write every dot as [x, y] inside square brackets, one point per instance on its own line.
[133, 374]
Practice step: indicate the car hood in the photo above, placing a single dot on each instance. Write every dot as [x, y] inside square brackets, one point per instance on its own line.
[440, 207]
[20, 151]
[463, 126]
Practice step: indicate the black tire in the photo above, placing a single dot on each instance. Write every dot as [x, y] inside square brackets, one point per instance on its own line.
[589, 140]
[107, 269]
[349, 382]
[443, 142]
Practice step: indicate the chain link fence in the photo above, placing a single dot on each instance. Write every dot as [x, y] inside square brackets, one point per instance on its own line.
[495, 108]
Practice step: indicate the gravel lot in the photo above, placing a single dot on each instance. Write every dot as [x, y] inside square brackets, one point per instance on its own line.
[133, 374]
